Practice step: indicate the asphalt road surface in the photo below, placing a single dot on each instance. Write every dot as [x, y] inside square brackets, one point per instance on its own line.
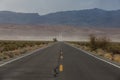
[77, 66]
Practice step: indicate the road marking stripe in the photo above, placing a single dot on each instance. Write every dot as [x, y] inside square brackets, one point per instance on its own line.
[61, 68]
[61, 57]
[95, 56]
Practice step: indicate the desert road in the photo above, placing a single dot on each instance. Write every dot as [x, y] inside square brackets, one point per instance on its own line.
[77, 65]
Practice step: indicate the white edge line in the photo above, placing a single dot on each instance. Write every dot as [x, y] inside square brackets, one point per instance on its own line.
[25, 55]
[95, 56]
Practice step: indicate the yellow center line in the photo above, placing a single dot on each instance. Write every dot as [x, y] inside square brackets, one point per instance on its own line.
[61, 68]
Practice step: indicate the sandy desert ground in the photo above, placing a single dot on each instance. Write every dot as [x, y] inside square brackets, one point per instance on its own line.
[45, 32]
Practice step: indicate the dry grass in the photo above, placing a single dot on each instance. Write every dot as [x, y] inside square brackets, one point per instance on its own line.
[10, 49]
[108, 56]
[116, 58]
[100, 52]
[101, 46]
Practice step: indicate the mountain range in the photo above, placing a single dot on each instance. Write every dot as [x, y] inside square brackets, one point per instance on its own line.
[88, 17]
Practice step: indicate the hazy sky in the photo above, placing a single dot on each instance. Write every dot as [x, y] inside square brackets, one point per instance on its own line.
[48, 6]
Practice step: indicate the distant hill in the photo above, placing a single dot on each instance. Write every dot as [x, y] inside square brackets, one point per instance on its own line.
[18, 18]
[89, 17]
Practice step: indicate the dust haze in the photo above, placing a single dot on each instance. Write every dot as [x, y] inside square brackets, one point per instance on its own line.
[62, 33]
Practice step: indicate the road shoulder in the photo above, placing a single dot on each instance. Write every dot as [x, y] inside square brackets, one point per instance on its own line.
[115, 64]
[7, 61]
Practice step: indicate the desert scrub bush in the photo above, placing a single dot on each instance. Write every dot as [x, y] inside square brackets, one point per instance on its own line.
[100, 52]
[3, 56]
[55, 40]
[98, 42]
[13, 45]
[116, 58]
[9, 54]
[83, 44]
[108, 56]
[114, 48]
[101, 46]
[10, 49]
